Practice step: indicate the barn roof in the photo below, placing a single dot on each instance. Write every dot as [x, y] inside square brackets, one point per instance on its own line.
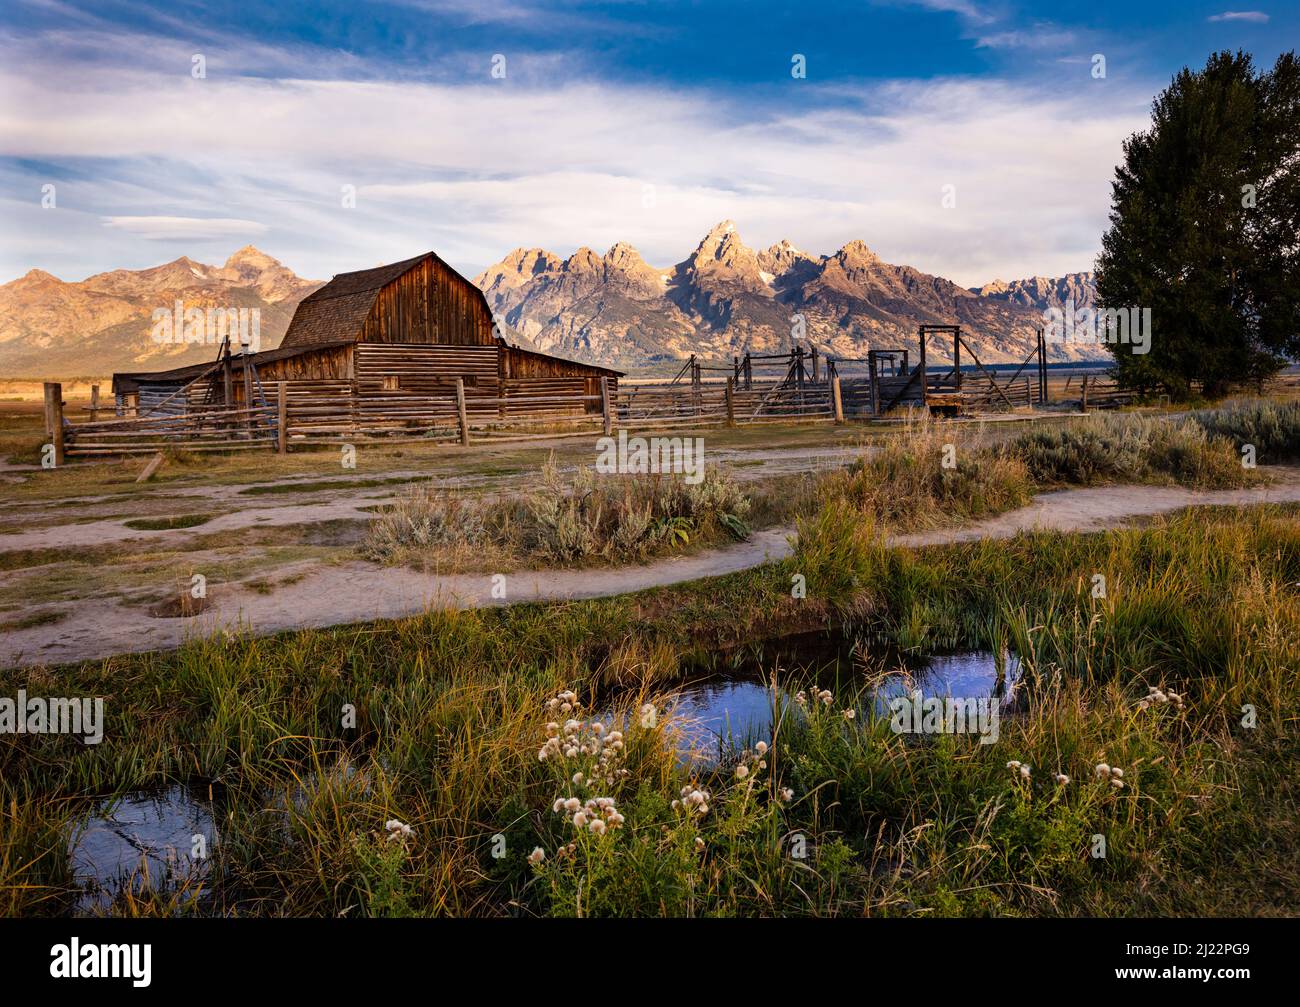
[338, 310]
[130, 380]
[521, 351]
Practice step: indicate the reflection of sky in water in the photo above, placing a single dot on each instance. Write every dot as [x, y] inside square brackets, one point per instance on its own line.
[741, 710]
[968, 675]
[158, 826]
[735, 710]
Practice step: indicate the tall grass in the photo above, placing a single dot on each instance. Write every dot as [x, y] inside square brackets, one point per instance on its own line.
[931, 472]
[564, 519]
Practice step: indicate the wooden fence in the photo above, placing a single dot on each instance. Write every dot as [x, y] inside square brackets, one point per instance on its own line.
[318, 413]
[302, 414]
[207, 430]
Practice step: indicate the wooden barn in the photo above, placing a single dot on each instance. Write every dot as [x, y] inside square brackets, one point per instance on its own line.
[376, 339]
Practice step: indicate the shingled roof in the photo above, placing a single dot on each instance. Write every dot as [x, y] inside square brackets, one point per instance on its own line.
[129, 381]
[337, 310]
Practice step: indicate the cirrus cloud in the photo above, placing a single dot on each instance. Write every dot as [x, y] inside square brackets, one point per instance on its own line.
[169, 228]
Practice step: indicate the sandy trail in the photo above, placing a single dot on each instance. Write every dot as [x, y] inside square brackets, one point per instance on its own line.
[329, 595]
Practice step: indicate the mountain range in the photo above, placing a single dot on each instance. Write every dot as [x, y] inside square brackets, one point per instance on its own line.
[53, 329]
[614, 309]
[725, 298]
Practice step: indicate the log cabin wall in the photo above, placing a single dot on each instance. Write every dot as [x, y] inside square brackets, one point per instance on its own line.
[429, 303]
[333, 363]
[427, 370]
[326, 367]
[524, 372]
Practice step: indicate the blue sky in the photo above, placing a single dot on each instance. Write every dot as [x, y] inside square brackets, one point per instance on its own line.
[645, 122]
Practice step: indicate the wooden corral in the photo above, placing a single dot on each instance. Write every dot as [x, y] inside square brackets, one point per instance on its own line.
[892, 384]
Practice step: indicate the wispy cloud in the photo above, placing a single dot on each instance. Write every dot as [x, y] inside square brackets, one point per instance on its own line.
[185, 228]
[966, 8]
[1259, 17]
[1038, 37]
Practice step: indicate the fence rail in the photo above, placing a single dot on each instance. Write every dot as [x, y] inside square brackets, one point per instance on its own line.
[205, 430]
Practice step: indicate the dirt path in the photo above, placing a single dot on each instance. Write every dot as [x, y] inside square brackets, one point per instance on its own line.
[357, 591]
[1101, 508]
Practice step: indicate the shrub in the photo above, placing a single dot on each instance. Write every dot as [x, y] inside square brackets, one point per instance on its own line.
[424, 516]
[1272, 427]
[564, 520]
[609, 515]
[1129, 448]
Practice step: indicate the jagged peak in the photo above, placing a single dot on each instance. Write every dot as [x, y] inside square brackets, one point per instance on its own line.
[621, 250]
[723, 245]
[251, 255]
[625, 258]
[857, 249]
[522, 254]
[582, 259]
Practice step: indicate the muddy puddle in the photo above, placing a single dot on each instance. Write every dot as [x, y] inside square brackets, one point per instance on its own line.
[733, 704]
[159, 840]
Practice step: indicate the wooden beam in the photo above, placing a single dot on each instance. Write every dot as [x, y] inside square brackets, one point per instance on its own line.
[731, 402]
[984, 371]
[49, 409]
[147, 472]
[282, 417]
[836, 402]
[606, 412]
[956, 357]
[460, 412]
[54, 410]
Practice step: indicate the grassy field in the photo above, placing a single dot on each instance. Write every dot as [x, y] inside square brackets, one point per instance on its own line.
[451, 713]
[321, 748]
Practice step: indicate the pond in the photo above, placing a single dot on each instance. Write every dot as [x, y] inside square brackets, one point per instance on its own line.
[142, 840]
[715, 712]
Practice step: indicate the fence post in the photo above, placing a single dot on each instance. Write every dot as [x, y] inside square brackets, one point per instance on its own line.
[836, 402]
[606, 413]
[94, 403]
[49, 412]
[1083, 401]
[54, 418]
[731, 402]
[460, 412]
[282, 418]
[1042, 368]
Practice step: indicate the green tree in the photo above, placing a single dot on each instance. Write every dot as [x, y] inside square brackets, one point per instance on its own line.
[1205, 229]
